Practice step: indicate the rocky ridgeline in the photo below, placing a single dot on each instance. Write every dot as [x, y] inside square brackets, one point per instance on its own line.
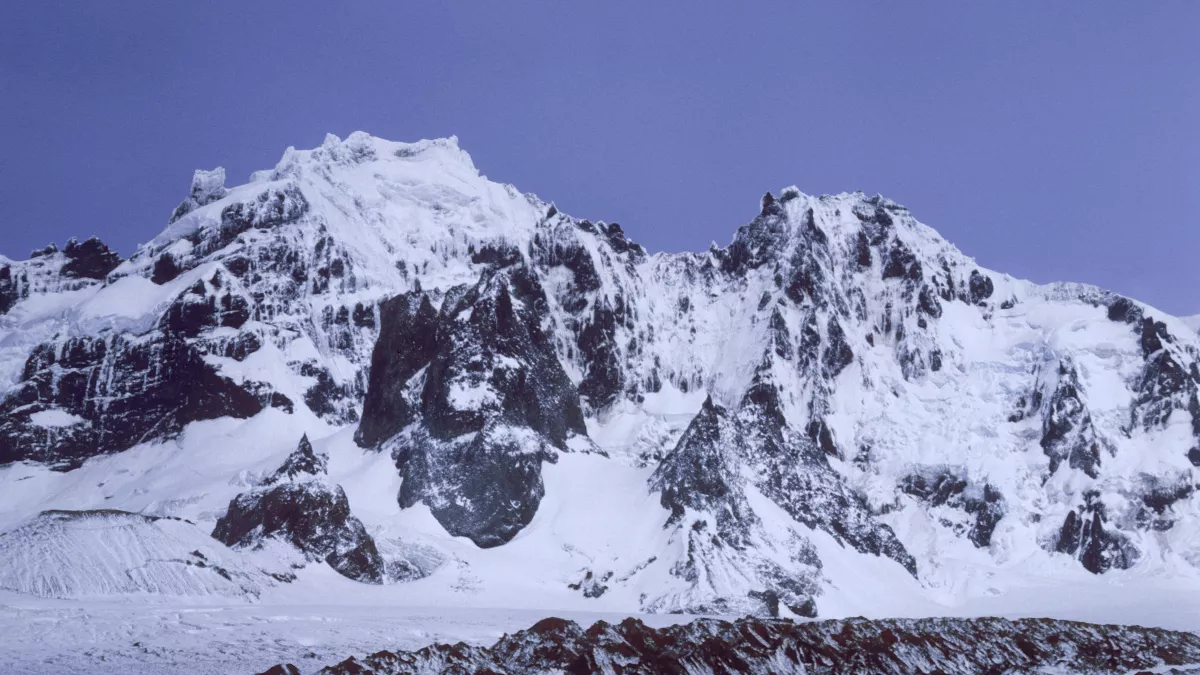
[899, 646]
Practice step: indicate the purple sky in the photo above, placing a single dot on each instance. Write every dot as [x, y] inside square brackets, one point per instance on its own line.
[1051, 140]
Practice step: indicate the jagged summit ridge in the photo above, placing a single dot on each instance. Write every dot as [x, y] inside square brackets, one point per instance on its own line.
[868, 384]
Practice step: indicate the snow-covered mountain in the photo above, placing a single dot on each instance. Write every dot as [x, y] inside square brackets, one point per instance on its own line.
[511, 406]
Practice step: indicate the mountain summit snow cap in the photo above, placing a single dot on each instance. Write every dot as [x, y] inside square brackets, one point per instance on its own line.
[361, 147]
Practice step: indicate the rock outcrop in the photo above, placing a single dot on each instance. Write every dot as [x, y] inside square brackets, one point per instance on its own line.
[298, 506]
[891, 646]
[474, 400]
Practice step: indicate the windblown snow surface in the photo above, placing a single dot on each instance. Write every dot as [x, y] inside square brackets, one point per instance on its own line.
[97, 570]
[1193, 321]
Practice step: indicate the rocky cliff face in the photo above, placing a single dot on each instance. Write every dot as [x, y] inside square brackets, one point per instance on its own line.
[487, 406]
[764, 646]
[862, 379]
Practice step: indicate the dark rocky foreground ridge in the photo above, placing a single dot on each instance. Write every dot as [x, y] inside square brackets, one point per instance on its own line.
[751, 645]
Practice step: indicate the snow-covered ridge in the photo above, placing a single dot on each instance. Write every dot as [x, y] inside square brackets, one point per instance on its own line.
[838, 394]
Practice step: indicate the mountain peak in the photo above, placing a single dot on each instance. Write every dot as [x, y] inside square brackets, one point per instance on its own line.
[880, 395]
[359, 147]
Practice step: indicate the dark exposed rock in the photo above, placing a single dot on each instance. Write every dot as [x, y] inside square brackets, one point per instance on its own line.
[980, 287]
[302, 461]
[1158, 496]
[407, 341]
[364, 316]
[270, 209]
[941, 486]
[1194, 404]
[807, 279]
[621, 244]
[701, 476]
[504, 356]
[884, 647]
[204, 305]
[822, 435]
[837, 354]
[927, 302]
[769, 206]
[814, 494]
[1165, 384]
[771, 603]
[165, 269]
[1124, 310]
[862, 247]
[1154, 334]
[280, 402]
[49, 249]
[575, 257]
[874, 213]
[122, 390]
[1067, 430]
[697, 475]
[326, 397]
[602, 379]
[496, 255]
[10, 292]
[90, 260]
[1083, 536]
[281, 669]
[792, 471]
[781, 339]
[493, 403]
[486, 486]
[753, 246]
[935, 360]
[297, 505]
[591, 585]
[900, 263]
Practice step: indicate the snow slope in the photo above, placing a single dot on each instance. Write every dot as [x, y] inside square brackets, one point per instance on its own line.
[1193, 321]
[99, 553]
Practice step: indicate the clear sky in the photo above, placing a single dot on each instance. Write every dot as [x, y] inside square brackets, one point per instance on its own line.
[1051, 140]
